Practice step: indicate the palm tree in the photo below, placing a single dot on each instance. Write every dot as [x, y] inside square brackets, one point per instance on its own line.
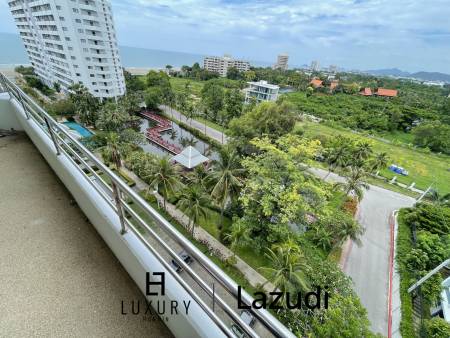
[113, 117]
[287, 268]
[226, 179]
[323, 237]
[188, 141]
[347, 227]
[119, 145]
[379, 162]
[440, 200]
[194, 203]
[238, 236]
[354, 183]
[198, 176]
[337, 154]
[173, 134]
[86, 105]
[361, 153]
[164, 176]
[113, 150]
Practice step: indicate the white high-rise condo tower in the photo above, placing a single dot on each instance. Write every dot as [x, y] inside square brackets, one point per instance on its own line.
[71, 41]
[282, 62]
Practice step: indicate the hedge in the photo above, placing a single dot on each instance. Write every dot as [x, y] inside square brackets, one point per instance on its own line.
[404, 246]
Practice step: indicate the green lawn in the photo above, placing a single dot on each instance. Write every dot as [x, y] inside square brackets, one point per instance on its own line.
[209, 123]
[424, 168]
[178, 85]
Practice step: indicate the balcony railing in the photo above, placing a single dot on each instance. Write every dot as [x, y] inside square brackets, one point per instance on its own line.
[117, 194]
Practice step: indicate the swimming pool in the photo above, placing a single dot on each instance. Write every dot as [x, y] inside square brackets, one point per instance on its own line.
[80, 129]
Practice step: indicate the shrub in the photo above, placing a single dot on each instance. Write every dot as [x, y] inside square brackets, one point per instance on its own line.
[350, 205]
[437, 328]
[404, 246]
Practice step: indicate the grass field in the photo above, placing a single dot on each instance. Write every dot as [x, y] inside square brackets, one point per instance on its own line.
[178, 85]
[424, 168]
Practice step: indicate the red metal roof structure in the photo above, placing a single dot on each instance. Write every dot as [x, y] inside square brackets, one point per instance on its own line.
[366, 92]
[316, 83]
[386, 92]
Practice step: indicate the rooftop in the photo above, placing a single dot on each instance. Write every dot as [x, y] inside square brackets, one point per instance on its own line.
[386, 92]
[263, 83]
[316, 82]
[190, 158]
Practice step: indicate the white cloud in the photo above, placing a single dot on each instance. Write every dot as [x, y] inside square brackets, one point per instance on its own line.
[409, 34]
[359, 33]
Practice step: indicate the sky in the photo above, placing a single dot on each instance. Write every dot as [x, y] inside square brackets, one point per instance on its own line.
[412, 35]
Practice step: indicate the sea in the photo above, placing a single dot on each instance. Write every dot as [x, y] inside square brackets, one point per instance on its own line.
[13, 53]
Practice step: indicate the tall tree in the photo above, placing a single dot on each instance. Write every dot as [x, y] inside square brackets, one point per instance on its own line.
[120, 145]
[212, 96]
[226, 179]
[115, 118]
[233, 102]
[194, 203]
[238, 236]
[379, 161]
[354, 182]
[288, 266]
[164, 177]
[86, 105]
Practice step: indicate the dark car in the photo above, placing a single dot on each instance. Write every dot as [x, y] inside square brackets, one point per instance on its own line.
[248, 319]
[185, 257]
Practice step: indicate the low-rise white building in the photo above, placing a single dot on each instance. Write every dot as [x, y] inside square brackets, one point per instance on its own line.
[261, 91]
[221, 64]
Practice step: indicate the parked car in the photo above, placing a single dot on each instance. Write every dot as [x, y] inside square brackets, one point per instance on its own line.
[185, 257]
[248, 319]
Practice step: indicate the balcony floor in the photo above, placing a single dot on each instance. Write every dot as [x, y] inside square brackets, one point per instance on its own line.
[58, 277]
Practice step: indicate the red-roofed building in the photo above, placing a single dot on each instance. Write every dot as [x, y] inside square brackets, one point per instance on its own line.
[333, 85]
[366, 92]
[316, 83]
[386, 92]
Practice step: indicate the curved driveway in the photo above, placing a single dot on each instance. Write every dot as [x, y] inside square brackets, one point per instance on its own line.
[368, 264]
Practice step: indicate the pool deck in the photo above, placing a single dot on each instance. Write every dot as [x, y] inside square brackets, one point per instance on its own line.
[58, 277]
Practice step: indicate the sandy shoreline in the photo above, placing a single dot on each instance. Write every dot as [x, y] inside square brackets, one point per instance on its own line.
[8, 69]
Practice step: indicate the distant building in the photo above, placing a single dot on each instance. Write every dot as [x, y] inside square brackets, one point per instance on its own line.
[282, 62]
[220, 65]
[333, 85]
[71, 42]
[316, 83]
[380, 92]
[261, 91]
[332, 69]
[366, 92]
[386, 92]
[315, 66]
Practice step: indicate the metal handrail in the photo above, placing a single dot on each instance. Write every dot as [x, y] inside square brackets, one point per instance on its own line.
[58, 134]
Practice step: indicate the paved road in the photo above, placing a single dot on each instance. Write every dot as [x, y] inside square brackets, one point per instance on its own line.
[368, 265]
[211, 132]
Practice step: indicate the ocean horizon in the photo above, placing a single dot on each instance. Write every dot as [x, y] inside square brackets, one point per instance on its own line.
[14, 54]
